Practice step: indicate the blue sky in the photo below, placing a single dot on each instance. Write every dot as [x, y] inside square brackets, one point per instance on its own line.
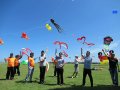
[91, 18]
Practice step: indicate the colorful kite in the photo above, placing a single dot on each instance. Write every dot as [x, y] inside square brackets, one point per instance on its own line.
[25, 51]
[56, 25]
[82, 38]
[103, 59]
[107, 42]
[65, 54]
[48, 27]
[89, 44]
[61, 44]
[24, 35]
[1, 42]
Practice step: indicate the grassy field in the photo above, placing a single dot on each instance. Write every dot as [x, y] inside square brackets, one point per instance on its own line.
[102, 80]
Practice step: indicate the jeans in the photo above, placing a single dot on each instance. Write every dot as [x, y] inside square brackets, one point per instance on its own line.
[114, 76]
[30, 73]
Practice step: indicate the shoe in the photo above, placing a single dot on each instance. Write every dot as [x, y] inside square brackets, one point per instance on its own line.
[11, 78]
[72, 77]
[83, 85]
[91, 86]
[58, 83]
[31, 81]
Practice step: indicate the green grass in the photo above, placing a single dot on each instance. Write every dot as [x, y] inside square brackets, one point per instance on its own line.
[102, 79]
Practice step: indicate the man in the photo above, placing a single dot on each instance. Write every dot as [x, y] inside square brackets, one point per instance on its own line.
[60, 69]
[10, 67]
[31, 65]
[113, 65]
[87, 68]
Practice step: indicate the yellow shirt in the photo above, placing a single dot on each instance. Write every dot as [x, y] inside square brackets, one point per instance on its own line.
[16, 62]
[11, 62]
[31, 61]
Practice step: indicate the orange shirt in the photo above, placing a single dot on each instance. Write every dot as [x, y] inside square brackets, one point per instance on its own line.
[31, 61]
[11, 62]
[16, 62]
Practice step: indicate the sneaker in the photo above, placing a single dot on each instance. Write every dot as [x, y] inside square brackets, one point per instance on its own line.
[72, 77]
[11, 78]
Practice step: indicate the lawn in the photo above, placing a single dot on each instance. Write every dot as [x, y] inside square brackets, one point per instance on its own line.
[102, 79]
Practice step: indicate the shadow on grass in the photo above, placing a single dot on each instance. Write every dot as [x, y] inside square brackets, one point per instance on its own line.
[51, 76]
[50, 84]
[69, 77]
[55, 84]
[2, 79]
[22, 81]
[99, 87]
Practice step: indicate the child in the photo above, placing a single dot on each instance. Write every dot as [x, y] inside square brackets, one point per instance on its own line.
[31, 65]
[10, 67]
[76, 66]
[43, 64]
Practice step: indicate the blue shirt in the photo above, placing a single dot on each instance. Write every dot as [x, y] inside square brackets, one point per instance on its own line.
[87, 62]
[60, 62]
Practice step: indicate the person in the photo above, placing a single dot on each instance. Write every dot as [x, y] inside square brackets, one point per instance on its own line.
[17, 64]
[87, 68]
[10, 67]
[113, 65]
[43, 64]
[76, 66]
[60, 70]
[31, 64]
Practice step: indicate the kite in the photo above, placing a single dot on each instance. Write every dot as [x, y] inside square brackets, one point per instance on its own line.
[24, 62]
[48, 27]
[89, 44]
[1, 41]
[65, 54]
[82, 38]
[114, 11]
[56, 25]
[53, 60]
[103, 59]
[107, 40]
[25, 51]
[24, 35]
[61, 44]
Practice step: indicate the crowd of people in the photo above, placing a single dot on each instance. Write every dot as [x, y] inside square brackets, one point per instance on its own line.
[14, 65]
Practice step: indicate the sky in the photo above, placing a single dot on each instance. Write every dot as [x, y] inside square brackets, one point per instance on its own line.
[91, 18]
